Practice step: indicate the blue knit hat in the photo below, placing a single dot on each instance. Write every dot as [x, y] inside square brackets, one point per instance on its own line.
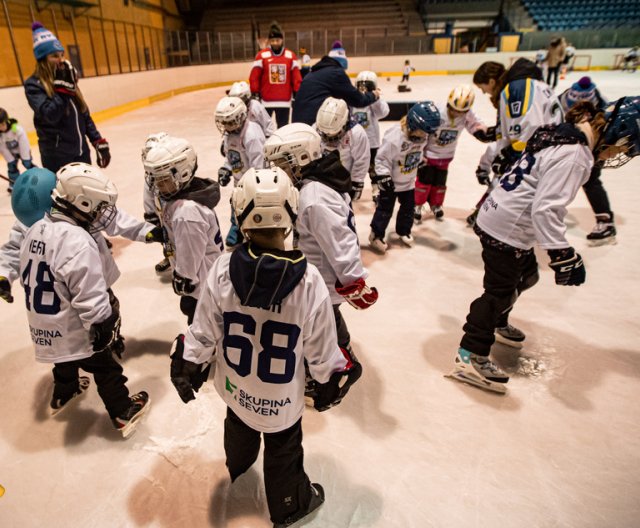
[583, 90]
[337, 52]
[44, 42]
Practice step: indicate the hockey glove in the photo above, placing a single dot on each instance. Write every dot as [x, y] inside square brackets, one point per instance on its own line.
[486, 136]
[224, 176]
[12, 169]
[28, 164]
[330, 394]
[152, 218]
[65, 80]
[384, 183]
[186, 376]
[356, 190]
[5, 289]
[106, 333]
[102, 153]
[155, 235]
[358, 294]
[182, 285]
[503, 161]
[484, 178]
[568, 266]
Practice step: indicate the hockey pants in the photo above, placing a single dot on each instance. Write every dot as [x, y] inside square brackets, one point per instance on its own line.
[384, 212]
[506, 275]
[596, 193]
[431, 185]
[287, 486]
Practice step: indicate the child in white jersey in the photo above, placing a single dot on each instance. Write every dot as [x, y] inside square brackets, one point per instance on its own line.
[14, 146]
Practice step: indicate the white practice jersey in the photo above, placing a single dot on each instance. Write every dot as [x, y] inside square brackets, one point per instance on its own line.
[399, 157]
[327, 229]
[194, 239]
[63, 275]
[368, 118]
[355, 152]
[148, 200]
[128, 226]
[244, 150]
[14, 144]
[10, 252]
[258, 114]
[530, 202]
[443, 142]
[259, 354]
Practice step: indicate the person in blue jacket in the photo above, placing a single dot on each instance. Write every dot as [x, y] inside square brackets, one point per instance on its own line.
[328, 78]
[61, 115]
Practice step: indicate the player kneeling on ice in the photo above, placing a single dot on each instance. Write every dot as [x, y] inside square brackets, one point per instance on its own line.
[528, 206]
[263, 312]
[193, 239]
[67, 271]
[396, 166]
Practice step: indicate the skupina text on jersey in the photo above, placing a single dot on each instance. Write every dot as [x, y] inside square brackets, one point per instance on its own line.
[369, 117]
[399, 157]
[355, 152]
[244, 150]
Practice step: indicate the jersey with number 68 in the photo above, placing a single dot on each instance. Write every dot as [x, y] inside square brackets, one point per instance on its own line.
[259, 353]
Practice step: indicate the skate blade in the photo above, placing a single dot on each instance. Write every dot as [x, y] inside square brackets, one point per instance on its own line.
[508, 342]
[603, 242]
[491, 386]
[128, 430]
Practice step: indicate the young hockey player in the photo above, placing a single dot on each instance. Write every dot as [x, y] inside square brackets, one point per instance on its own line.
[455, 116]
[367, 117]
[338, 132]
[604, 231]
[396, 166]
[528, 207]
[243, 143]
[256, 111]
[406, 71]
[263, 313]
[14, 146]
[192, 232]
[73, 315]
[325, 224]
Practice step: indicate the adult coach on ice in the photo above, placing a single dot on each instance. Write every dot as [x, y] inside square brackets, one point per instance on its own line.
[328, 78]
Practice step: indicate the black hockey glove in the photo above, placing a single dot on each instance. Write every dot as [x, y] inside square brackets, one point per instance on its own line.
[331, 393]
[155, 235]
[5, 289]
[484, 178]
[182, 285]
[103, 154]
[152, 218]
[504, 160]
[224, 176]
[384, 182]
[65, 80]
[186, 376]
[568, 266]
[486, 136]
[106, 333]
[356, 190]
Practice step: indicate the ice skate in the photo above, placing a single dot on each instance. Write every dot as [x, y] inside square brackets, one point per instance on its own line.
[438, 212]
[127, 421]
[407, 240]
[377, 244]
[317, 498]
[57, 405]
[417, 214]
[604, 232]
[162, 266]
[478, 371]
[510, 336]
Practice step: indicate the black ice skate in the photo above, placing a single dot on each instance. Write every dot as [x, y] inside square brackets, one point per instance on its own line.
[604, 232]
[162, 266]
[127, 421]
[438, 212]
[57, 404]
[510, 335]
[478, 371]
[317, 498]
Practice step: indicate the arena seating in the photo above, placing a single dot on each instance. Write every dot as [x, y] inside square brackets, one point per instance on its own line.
[565, 15]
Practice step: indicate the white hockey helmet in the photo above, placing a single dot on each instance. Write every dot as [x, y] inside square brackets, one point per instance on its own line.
[332, 119]
[85, 194]
[231, 114]
[240, 89]
[170, 165]
[265, 198]
[292, 147]
[151, 141]
[461, 98]
[366, 81]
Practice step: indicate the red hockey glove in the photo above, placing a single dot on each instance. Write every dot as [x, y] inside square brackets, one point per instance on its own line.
[358, 294]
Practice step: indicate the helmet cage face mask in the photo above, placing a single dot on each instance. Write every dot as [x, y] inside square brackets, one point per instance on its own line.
[365, 86]
[619, 131]
[170, 167]
[293, 147]
[231, 113]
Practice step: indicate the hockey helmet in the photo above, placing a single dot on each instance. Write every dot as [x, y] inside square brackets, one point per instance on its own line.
[422, 119]
[264, 199]
[366, 81]
[622, 129]
[85, 194]
[240, 89]
[151, 141]
[231, 113]
[31, 196]
[332, 119]
[292, 147]
[461, 98]
[170, 166]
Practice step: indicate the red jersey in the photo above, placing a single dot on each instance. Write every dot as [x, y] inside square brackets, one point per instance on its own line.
[275, 77]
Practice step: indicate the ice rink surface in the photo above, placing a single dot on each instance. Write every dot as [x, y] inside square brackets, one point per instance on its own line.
[407, 448]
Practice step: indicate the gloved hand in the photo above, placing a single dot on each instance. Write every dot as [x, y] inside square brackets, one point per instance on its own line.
[182, 285]
[186, 376]
[106, 333]
[28, 164]
[65, 80]
[155, 235]
[5, 289]
[384, 182]
[484, 178]
[356, 190]
[568, 266]
[102, 153]
[358, 294]
[224, 176]
[504, 160]
[330, 394]
[152, 218]
[12, 169]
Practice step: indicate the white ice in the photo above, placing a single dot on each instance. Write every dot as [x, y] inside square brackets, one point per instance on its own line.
[408, 447]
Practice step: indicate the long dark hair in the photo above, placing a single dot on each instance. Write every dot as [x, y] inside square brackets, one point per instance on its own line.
[491, 70]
